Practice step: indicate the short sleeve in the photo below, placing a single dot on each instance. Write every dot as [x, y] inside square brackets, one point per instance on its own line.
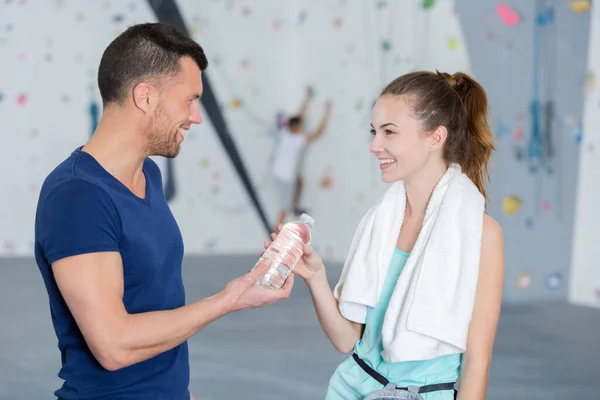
[78, 217]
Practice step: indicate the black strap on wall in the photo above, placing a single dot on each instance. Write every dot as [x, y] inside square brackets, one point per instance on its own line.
[167, 12]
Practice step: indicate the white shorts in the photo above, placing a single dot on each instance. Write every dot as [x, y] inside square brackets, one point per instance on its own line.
[285, 194]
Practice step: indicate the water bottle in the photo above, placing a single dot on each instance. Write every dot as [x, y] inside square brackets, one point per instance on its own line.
[285, 252]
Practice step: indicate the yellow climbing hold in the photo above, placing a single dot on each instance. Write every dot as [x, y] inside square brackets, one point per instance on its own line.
[235, 103]
[452, 43]
[580, 5]
[511, 205]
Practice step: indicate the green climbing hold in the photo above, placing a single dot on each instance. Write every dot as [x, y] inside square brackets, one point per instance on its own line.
[386, 45]
[428, 3]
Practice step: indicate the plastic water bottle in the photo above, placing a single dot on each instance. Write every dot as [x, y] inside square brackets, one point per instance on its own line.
[285, 252]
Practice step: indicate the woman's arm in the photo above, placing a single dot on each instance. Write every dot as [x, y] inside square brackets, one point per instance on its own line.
[342, 333]
[486, 312]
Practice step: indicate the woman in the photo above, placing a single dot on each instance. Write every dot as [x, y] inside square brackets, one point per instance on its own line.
[431, 135]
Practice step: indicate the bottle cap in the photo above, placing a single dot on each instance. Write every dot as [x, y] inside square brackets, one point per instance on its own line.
[307, 219]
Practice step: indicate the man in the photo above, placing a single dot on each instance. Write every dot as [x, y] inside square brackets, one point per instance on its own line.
[107, 245]
[287, 159]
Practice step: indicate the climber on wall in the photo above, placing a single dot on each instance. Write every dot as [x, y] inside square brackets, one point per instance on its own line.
[287, 157]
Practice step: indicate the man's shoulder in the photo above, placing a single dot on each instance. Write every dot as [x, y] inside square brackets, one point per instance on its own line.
[291, 137]
[70, 177]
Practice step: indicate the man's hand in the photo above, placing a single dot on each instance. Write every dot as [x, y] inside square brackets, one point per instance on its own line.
[244, 293]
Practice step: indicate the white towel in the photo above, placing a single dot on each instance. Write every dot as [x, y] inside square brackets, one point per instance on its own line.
[430, 309]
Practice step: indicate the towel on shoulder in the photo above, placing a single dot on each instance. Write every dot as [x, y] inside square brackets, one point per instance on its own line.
[431, 307]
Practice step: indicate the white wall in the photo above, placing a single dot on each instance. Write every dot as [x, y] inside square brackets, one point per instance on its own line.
[584, 285]
[263, 54]
[50, 53]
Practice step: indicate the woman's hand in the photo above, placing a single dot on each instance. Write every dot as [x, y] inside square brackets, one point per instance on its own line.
[309, 265]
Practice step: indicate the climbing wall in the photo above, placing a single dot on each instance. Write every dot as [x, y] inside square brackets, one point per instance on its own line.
[531, 57]
[262, 55]
[584, 285]
[346, 51]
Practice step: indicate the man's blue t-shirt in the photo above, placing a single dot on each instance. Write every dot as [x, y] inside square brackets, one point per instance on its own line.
[84, 209]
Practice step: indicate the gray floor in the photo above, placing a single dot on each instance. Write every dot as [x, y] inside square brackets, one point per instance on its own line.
[544, 351]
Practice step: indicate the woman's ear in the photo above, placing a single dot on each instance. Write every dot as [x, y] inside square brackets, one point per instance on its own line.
[437, 138]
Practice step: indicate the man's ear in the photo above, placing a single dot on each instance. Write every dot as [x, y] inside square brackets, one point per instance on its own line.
[143, 96]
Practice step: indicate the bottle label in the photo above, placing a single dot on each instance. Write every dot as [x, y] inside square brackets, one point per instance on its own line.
[282, 269]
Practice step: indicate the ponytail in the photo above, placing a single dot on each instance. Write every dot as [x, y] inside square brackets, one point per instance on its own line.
[479, 138]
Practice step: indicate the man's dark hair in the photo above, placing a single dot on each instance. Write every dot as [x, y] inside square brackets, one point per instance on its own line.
[294, 121]
[144, 51]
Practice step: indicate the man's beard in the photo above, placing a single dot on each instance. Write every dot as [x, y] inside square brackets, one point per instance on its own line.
[157, 142]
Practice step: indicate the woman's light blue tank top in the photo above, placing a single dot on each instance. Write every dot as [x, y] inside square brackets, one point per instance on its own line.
[351, 382]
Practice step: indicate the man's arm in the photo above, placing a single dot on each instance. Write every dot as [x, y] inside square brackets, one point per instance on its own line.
[92, 286]
[304, 106]
[80, 232]
[321, 128]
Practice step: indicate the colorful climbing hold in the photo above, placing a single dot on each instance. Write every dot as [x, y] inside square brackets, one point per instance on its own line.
[452, 43]
[386, 46]
[523, 280]
[204, 163]
[326, 181]
[529, 222]
[545, 206]
[235, 103]
[517, 134]
[580, 6]
[22, 99]
[508, 15]
[301, 17]
[545, 17]
[511, 205]
[358, 105]
[554, 281]
[428, 4]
